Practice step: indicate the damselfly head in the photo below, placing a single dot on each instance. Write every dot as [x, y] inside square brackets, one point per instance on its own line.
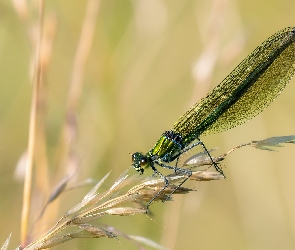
[140, 162]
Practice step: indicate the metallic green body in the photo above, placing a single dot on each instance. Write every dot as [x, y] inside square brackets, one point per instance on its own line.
[166, 147]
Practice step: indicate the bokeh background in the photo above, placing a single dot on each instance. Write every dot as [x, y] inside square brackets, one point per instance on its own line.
[149, 61]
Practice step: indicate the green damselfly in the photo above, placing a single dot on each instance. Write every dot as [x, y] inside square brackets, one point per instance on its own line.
[242, 95]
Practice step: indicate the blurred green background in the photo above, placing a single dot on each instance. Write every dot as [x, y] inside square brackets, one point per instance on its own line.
[150, 60]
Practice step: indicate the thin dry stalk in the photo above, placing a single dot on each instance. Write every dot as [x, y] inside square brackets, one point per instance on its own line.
[41, 55]
[32, 134]
[41, 158]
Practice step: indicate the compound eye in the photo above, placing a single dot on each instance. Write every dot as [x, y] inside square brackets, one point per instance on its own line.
[143, 161]
[133, 157]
